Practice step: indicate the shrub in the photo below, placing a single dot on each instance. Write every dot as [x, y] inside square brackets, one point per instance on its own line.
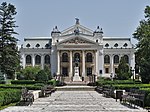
[54, 82]
[2, 82]
[39, 84]
[28, 73]
[127, 87]
[123, 71]
[11, 86]
[8, 96]
[41, 76]
[105, 82]
[25, 82]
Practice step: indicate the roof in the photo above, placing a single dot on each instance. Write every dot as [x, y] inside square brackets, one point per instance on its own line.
[37, 38]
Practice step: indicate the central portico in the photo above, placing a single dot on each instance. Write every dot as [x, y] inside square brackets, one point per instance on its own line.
[77, 49]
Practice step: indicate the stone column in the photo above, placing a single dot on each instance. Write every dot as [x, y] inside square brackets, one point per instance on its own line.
[132, 63]
[96, 63]
[70, 74]
[33, 60]
[42, 61]
[112, 63]
[83, 63]
[23, 60]
[58, 63]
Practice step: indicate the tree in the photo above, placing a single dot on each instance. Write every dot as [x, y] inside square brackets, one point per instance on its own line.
[29, 73]
[123, 71]
[9, 56]
[48, 72]
[41, 76]
[142, 34]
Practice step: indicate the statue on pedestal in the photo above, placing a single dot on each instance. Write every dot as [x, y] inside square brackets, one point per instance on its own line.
[76, 76]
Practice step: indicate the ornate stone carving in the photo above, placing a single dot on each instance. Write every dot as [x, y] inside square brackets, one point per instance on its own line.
[76, 41]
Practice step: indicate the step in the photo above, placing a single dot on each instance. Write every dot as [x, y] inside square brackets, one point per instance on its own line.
[78, 83]
[76, 88]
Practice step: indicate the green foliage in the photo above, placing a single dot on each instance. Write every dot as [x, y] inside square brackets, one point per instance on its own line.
[2, 82]
[13, 86]
[8, 96]
[142, 34]
[9, 56]
[127, 87]
[28, 73]
[48, 72]
[53, 82]
[123, 71]
[34, 73]
[41, 76]
[25, 82]
[114, 82]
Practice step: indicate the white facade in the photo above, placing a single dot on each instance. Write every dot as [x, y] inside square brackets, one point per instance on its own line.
[97, 54]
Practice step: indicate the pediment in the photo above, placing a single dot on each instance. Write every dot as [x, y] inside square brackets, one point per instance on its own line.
[76, 40]
[82, 30]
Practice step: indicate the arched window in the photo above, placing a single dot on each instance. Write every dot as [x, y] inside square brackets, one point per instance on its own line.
[47, 46]
[107, 45]
[116, 59]
[125, 45]
[47, 59]
[28, 59]
[89, 57]
[37, 59]
[64, 57]
[28, 45]
[116, 45]
[106, 59]
[37, 45]
[77, 57]
[126, 58]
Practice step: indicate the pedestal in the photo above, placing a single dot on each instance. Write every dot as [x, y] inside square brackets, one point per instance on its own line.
[76, 76]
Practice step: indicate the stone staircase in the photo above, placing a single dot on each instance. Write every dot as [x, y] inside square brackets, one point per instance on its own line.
[76, 86]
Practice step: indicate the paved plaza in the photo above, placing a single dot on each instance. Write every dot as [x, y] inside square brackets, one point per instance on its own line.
[74, 101]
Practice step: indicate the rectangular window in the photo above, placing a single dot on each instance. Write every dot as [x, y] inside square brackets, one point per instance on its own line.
[106, 70]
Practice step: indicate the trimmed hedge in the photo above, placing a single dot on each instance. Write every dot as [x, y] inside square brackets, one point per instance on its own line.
[8, 96]
[25, 82]
[109, 82]
[11, 86]
[2, 82]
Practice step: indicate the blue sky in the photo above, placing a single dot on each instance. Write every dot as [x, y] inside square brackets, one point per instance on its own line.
[116, 17]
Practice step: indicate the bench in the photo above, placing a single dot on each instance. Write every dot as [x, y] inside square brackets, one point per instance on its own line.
[27, 97]
[108, 91]
[99, 89]
[135, 97]
[47, 90]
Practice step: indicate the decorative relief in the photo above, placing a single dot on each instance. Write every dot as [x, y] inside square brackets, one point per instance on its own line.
[76, 41]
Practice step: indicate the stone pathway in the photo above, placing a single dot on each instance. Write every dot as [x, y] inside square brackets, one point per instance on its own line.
[74, 101]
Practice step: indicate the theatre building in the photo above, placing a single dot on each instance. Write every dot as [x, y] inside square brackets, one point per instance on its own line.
[77, 52]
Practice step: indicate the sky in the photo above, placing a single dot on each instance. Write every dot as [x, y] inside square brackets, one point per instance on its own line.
[118, 18]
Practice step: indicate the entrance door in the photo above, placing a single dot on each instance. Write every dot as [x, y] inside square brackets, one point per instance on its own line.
[89, 71]
[64, 71]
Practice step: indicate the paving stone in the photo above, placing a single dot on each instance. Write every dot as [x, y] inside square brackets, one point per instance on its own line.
[74, 101]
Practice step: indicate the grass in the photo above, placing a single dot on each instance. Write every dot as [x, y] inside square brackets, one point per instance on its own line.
[5, 106]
